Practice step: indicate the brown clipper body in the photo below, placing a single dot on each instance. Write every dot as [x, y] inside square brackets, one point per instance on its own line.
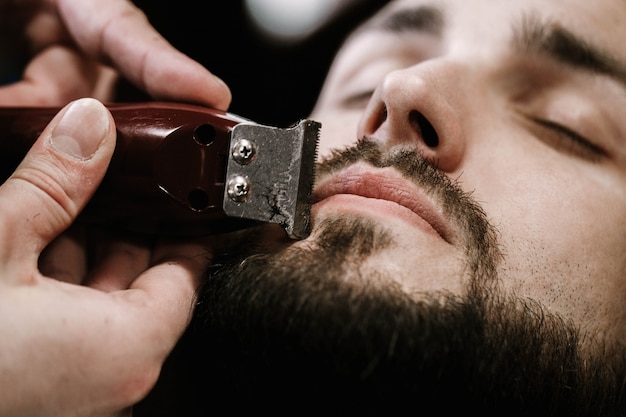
[185, 170]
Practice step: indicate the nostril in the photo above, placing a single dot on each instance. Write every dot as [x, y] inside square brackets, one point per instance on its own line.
[379, 117]
[382, 116]
[423, 126]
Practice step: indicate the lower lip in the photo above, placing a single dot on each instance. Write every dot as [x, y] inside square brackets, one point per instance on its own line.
[377, 209]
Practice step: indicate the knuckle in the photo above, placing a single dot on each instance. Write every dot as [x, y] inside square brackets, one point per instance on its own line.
[49, 187]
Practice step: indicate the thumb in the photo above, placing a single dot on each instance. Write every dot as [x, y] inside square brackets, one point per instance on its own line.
[56, 178]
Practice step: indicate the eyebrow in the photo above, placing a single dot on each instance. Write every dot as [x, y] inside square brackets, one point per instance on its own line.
[421, 19]
[562, 45]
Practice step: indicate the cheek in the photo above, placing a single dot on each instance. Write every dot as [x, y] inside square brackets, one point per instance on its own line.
[557, 225]
[564, 240]
[568, 220]
[553, 212]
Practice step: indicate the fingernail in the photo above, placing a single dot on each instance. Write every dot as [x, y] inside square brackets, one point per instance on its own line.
[82, 129]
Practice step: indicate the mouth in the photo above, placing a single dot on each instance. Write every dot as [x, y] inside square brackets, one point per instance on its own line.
[388, 192]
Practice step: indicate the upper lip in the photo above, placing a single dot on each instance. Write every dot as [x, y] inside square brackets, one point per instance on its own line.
[387, 184]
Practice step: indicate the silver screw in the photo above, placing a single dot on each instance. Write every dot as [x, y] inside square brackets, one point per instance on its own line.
[243, 151]
[238, 188]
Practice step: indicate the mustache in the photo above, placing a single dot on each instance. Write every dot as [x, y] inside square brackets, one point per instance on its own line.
[407, 160]
[457, 204]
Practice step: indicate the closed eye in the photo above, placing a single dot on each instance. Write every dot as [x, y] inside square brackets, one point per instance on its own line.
[358, 101]
[565, 138]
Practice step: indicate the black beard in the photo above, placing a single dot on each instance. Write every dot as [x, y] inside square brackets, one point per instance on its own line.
[280, 327]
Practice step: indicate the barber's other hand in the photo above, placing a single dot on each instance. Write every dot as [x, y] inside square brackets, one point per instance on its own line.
[82, 340]
[78, 47]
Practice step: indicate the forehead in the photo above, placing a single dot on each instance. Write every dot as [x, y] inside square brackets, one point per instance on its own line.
[599, 21]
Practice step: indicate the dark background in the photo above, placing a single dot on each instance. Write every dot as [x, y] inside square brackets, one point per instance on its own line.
[274, 84]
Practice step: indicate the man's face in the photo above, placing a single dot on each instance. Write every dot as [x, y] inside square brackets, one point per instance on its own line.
[471, 245]
[512, 101]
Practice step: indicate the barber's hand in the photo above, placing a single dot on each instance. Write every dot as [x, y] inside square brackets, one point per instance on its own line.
[68, 41]
[89, 337]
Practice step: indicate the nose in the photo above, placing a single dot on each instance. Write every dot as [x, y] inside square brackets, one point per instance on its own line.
[415, 106]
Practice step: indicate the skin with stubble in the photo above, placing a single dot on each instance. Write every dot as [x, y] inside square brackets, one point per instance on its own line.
[308, 322]
[468, 249]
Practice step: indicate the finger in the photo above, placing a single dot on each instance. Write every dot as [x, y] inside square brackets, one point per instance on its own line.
[42, 27]
[119, 262]
[56, 76]
[103, 28]
[167, 291]
[194, 255]
[65, 259]
[56, 179]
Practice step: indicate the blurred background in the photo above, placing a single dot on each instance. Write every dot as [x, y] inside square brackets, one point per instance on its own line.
[273, 54]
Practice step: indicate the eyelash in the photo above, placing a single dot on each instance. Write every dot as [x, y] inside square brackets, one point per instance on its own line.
[583, 146]
[357, 101]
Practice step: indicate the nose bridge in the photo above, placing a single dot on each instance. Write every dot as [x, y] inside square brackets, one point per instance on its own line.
[421, 105]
